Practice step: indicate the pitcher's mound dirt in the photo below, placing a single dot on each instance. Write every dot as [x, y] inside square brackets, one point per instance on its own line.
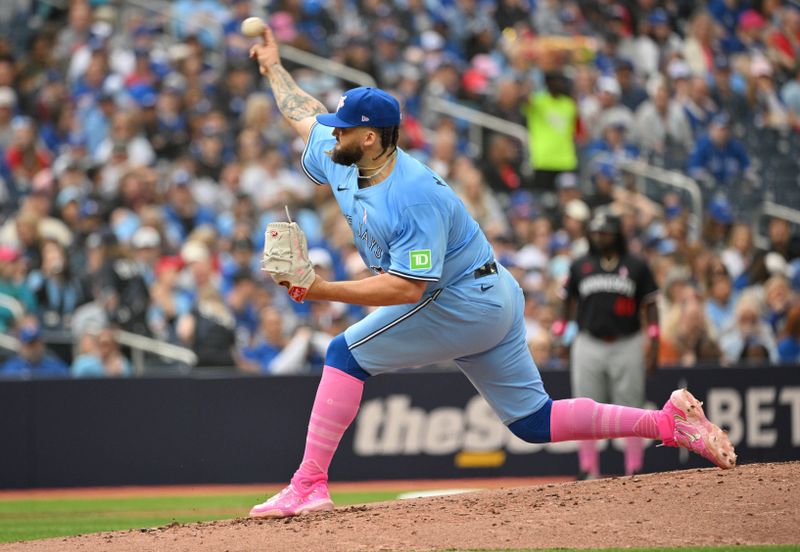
[752, 504]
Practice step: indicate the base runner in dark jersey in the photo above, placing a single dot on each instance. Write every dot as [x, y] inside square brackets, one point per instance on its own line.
[610, 288]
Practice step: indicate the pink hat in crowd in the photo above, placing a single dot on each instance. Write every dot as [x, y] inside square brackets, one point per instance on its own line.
[8, 254]
[751, 20]
[282, 24]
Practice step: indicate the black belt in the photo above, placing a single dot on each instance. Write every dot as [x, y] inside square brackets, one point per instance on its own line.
[485, 270]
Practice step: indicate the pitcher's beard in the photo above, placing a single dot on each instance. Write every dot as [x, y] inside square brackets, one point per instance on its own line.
[347, 156]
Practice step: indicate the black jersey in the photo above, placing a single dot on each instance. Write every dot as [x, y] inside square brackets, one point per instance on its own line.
[609, 301]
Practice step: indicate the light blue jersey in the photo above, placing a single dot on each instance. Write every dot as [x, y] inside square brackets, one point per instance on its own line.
[412, 224]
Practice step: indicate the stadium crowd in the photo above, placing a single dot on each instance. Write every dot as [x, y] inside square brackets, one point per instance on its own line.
[141, 157]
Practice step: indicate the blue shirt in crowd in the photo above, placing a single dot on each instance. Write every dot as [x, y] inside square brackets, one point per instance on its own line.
[47, 366]
[724, 163]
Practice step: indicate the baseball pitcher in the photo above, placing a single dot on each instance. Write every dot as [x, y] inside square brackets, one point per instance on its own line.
[441, 295]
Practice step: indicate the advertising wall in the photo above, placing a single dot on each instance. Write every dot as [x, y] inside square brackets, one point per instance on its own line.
[413, 425]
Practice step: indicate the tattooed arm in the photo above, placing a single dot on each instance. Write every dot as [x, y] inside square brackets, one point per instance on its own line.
[296, 105]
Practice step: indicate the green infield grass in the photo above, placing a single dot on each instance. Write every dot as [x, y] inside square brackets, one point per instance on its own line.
[45, 518]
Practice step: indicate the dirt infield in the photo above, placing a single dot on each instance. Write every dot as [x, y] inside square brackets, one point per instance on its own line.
[752, 504]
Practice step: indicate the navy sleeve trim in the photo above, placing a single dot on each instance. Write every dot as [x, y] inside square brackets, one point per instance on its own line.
[303, 161]
[412, 276]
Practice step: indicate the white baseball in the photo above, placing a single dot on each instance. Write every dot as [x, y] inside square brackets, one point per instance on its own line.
[252, 27]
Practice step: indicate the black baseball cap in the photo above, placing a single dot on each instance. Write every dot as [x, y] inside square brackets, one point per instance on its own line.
[605, 222]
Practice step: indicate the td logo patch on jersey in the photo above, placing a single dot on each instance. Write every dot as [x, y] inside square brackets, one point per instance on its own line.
[420, 259]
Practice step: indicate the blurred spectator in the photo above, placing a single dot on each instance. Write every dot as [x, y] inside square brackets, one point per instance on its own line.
[784, 40]
[686, 339]
[717, 157]
[700, 43]
[749, 338]
[97, 120]
[749, 33]
[789, 344]
[209, 329]
[239, 300]
[552, 117]
[122, 289]
[168, 300]
[8, 104]
[99, 356]
[271, 352]
[698, 106]
[182, 214]
[632, 94]
[613, 145]
[718, 223]
[146, 245]
[661, 126]
[784, 247]
[444, 149]
[33, 360]
[603, 108]
[76, 33]
[480, 200]
[721, 298]
[541, 347]
[790, 95]
[25, 155]
[762, 95]
[12, 285]
[125, 133]
[58, 293]
[777, 301]
[653, 47]
[723, 93]
[501, 164]
[738, 256]
[576, 215]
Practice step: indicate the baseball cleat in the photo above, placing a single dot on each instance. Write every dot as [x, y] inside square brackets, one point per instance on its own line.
[692, 430]
[293, 501]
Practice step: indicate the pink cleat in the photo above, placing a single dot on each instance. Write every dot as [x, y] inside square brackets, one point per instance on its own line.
[293, 501]
[692, 430]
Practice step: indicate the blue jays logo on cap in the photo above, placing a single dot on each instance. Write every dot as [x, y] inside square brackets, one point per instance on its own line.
[363, 106]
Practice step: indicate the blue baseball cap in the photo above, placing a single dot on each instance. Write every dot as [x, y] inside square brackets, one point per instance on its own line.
[363, 106]
[658, 16]
[29, 333]
[721, 119]
[721, 210]
[607, 170]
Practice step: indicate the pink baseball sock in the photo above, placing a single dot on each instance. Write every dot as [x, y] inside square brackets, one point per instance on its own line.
[582, 419]
[634, 455]
[589, 458]
[335, 407]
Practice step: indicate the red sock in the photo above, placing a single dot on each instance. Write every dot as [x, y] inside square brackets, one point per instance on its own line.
[335, 407]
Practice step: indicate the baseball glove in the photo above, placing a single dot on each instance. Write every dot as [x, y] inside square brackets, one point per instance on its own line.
[285, 258]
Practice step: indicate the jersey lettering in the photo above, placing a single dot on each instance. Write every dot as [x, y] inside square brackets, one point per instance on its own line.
[370, 242]
[606, 283]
